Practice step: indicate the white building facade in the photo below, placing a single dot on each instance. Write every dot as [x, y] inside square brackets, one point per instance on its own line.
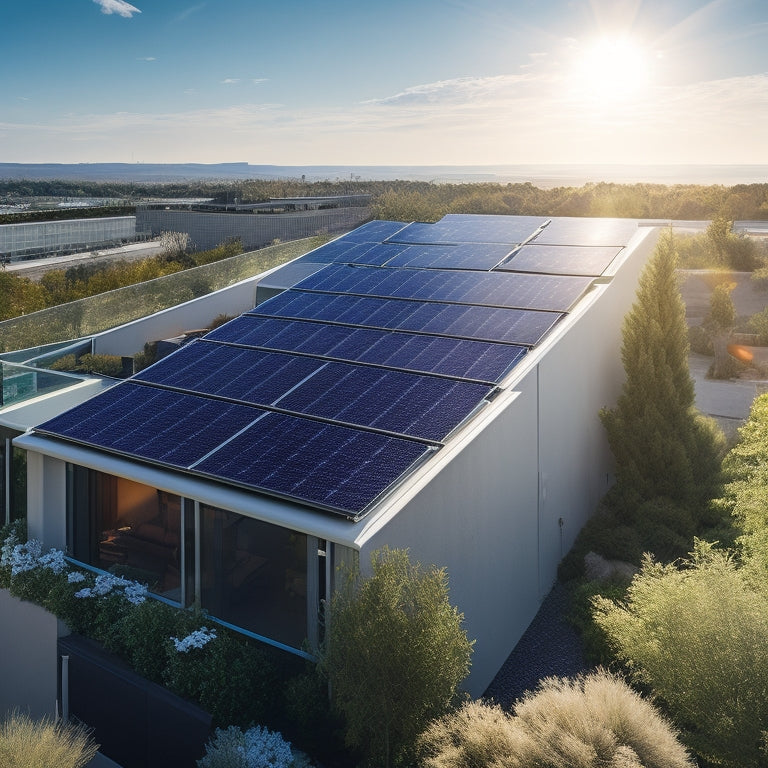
[498, 501]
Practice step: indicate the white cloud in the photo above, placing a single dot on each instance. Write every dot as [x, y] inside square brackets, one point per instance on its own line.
[460, 89]
[187, 12]
[147, 58]
[230, 80]
[506, 119]
[120, 7]
[257, 80]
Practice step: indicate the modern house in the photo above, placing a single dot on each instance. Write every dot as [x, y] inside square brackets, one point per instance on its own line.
[434, 387]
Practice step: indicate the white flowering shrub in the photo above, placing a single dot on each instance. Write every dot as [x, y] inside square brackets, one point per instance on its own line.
[21, 558]
[106, 584]
[255, 748]
[197, 639]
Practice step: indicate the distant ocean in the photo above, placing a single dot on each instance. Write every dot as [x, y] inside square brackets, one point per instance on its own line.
[543, 176]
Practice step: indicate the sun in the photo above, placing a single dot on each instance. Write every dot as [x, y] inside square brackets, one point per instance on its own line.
[611, 69]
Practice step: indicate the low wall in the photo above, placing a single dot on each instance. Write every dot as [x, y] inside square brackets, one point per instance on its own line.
[28, 663]
[138, 724]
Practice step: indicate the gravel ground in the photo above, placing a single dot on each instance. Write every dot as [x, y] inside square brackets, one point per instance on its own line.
[550, 646]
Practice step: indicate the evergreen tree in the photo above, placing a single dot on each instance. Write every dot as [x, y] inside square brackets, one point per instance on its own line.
[663, 447]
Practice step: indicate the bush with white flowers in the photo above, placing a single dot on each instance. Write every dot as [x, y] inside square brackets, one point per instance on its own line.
[197, 639]
[107, 583]
[18, 558]
[255, 748]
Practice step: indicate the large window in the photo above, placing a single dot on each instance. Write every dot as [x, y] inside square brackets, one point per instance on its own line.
[254, 575]
[126, 528]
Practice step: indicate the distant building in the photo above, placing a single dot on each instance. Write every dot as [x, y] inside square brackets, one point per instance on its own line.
[254, 224]
[47, 238]
[428, 386]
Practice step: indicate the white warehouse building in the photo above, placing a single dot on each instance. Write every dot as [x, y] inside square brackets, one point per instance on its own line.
[434, 387]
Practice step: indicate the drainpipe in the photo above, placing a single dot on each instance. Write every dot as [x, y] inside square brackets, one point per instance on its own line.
[65, 688]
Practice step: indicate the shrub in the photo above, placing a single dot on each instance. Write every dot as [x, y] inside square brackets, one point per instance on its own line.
[396, 654]
[25, 742]
[229, 676]
[696, 635]
[255, 748]
[141, 636]
[595, 642]
[592, 721]
[311, 722]
[701, 340]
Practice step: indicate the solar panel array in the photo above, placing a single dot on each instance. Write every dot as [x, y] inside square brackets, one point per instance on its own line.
[334, 391]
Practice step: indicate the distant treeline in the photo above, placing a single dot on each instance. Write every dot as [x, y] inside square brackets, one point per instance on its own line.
[425, 201]
[60, 214]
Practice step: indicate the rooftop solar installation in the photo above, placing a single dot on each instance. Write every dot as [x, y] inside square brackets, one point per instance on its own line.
[332, 467]
[327, 465]
[375, 231]
[331, 393]
[462, 358]
[561, 259]
[555, 293]
[476, 256]
[471, 228]
[573, 231]
[514, 326]
[405, 403]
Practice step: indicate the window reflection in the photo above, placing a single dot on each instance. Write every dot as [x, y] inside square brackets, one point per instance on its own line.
[254, 575]
[129, 529]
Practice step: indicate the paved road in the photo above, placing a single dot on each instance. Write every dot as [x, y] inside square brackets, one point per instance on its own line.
[729, 402]
[34, 269]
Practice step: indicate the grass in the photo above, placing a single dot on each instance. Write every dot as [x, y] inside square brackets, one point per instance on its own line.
[28, 743]
[591, 721]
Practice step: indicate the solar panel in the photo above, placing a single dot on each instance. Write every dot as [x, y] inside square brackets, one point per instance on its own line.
[149, 423]
[516, 326]
[575, 231]
[340, 468]
[395, 401]
[329, 252]
[562, 259]
[475, 256]
[327, 465]
[241, 374]
[471, 228]
[525, 291]
[374, 231]
[408, 351]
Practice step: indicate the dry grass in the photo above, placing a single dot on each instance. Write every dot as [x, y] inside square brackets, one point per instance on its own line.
[589, 722]
[28, 743]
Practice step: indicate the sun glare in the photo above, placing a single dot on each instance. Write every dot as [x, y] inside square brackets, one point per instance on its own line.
[611, 69]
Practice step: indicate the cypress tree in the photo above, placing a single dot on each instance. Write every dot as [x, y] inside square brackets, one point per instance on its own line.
[663, 447]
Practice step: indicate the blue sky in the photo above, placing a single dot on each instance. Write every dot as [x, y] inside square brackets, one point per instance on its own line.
[375, 83]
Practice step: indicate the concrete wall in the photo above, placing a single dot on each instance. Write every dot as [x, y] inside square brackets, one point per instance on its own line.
[476, 514]
[491, 510]
[28, 663]
[127, 339]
